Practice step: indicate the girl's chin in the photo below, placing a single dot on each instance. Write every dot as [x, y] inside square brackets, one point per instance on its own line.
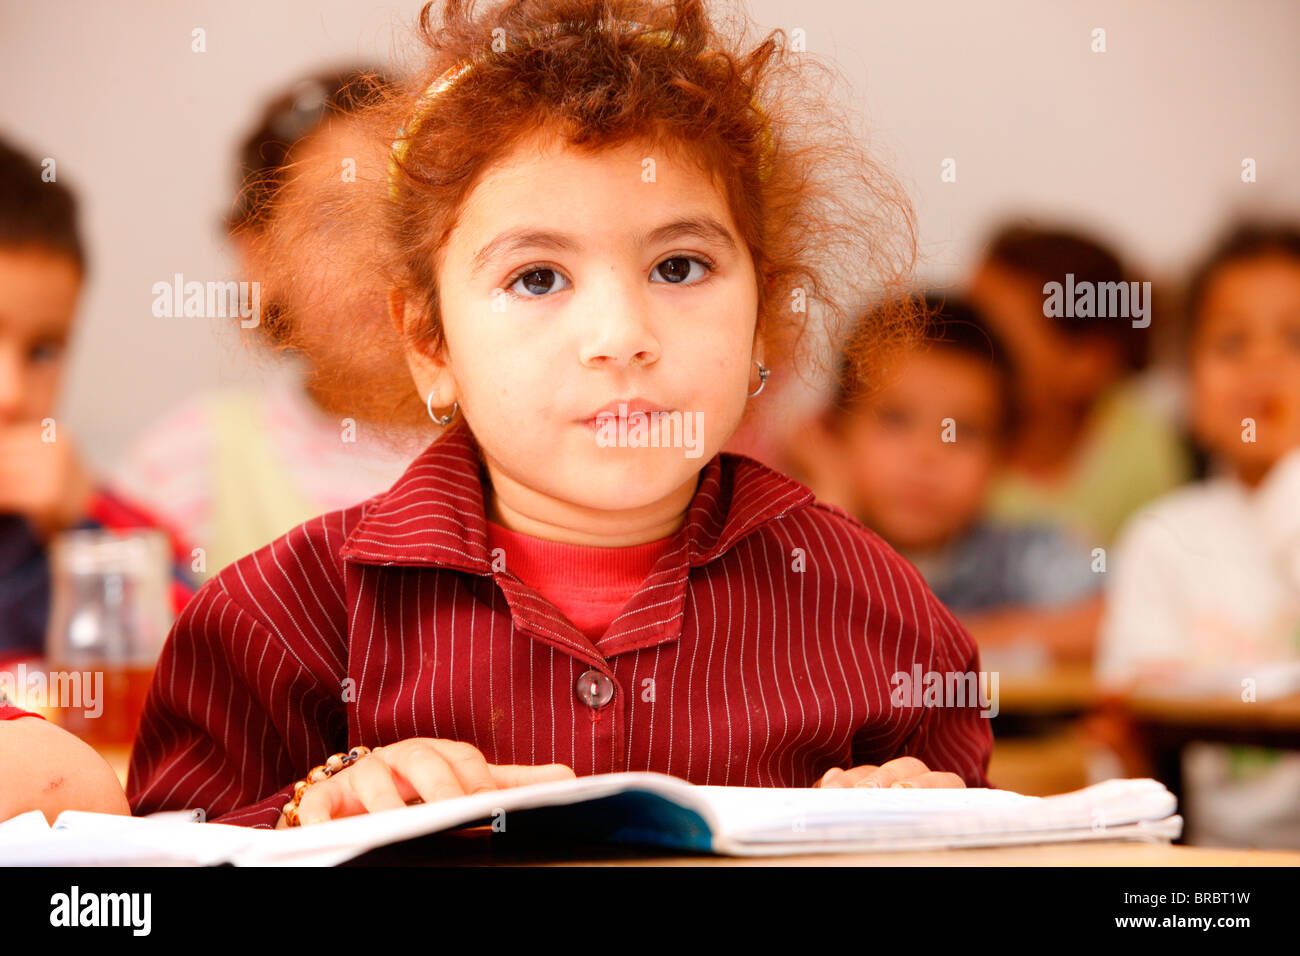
[628, 485]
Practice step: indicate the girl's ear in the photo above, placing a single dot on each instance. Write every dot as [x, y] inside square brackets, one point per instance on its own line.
[430, 370]
[431, 374]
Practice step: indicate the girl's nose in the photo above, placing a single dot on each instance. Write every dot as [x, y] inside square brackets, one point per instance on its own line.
[617, 329]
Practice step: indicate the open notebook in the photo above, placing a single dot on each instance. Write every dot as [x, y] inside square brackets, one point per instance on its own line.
[643, 808]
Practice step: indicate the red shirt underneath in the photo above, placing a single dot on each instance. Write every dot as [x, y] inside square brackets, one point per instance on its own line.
[588, 584]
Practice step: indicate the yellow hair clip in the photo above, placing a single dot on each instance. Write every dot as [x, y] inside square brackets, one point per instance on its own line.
[402, 145]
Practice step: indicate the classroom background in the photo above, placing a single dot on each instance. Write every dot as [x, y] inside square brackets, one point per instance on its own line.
[1147, 129]
[1142, 143]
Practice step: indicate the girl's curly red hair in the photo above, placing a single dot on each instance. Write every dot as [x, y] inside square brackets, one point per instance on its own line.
[829, 229]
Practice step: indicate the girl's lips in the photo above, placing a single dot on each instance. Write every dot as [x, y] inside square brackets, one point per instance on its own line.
[615, 417]
[614, 421]
[627, 407]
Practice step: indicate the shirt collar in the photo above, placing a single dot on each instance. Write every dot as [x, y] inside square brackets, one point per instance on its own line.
[434, 514]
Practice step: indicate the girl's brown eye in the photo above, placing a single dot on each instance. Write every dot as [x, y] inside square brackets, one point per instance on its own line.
[537, 282]
[675, 270]
[678, 269]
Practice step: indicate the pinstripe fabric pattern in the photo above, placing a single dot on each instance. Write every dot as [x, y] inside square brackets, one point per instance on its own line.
[386, 620]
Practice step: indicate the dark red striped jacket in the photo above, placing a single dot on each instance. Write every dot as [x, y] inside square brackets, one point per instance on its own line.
[759, 651]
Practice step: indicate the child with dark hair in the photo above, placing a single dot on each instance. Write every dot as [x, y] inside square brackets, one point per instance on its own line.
[1204, 586]
[44, 486]
[1094, 440]
[913, 457]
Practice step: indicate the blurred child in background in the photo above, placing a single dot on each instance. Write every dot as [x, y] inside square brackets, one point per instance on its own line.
[913, 459]
[1091, 444]
[45, 488]
[1205, 583]
[237, 467]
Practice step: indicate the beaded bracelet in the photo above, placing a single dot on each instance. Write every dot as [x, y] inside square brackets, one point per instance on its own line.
[323, 772]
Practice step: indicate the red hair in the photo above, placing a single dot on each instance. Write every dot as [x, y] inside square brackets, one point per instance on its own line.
[828, 228]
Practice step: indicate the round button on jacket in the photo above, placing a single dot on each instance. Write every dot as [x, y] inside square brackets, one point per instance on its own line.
[595, 689]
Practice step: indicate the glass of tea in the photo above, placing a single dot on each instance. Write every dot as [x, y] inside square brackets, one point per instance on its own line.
[109, 616]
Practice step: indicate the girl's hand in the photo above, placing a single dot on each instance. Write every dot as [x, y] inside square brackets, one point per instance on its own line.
[419, 768]
[900, 772]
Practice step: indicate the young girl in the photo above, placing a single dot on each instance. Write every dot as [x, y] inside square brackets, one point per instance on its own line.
[593, 207]
[1205, 582]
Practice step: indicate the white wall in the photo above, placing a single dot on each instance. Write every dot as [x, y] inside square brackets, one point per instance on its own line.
[1145, 140]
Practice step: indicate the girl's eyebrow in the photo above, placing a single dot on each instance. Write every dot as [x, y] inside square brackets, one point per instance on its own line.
[705, 228]
[513, 239]
[702, 227]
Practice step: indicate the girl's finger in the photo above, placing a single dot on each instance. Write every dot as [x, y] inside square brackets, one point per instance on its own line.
[931, 780]
[467, 763]
[891, 771]
[328, 800]
[432, 776]
[371, 780]
[837, 777]
[828, 777]
[520, 775]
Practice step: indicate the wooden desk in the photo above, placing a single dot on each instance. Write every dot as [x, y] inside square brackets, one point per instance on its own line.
[1166, 725]
[1227, 719]
[1070, 690]
[479, 846]
[1060, 691]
